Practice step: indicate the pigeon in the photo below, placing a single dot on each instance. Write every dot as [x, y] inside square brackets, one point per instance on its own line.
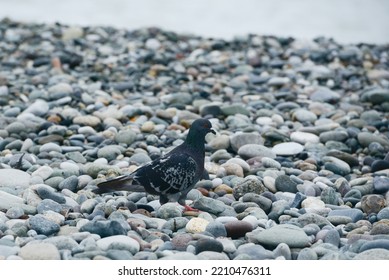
[171, 176]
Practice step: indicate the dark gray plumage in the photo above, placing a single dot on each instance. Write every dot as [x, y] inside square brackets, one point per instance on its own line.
[171, 176]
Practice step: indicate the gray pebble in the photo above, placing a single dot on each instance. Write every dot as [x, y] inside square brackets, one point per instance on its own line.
[42, 225]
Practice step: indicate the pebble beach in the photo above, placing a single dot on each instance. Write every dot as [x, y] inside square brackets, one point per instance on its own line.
[298, 168]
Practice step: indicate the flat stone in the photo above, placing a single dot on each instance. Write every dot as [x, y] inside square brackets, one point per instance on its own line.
[365, 138]
[120, 242]
[372, 203]
[42, 225]
[8, 200]
[254, 150]
[291, 235]
[39, 251]
[373, 254]
[304, 137]
[324, 94]
[283, 183]
[11, 178]
[354, 214]
[169, 210]
[287, 149]
[196, 225]
[240, 139]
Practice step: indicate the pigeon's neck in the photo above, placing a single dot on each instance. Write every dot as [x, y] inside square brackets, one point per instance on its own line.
[195, 141]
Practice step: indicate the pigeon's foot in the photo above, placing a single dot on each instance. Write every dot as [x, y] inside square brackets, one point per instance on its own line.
[188, 208]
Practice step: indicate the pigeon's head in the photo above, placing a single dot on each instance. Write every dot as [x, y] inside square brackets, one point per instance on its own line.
[197, 132]
[202, 127]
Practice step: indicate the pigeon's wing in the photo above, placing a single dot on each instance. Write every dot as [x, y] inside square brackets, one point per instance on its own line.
[170, 174]
[121, 183]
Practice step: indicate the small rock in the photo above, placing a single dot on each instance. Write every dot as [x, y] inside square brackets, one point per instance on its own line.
[119, 242]
[217, 229]
[42, 225]
[196, 225]
[180, 241]
[104, 228]
[249, 185]
[304, 137]
[207, 244]
[372, 203]
[39, 251]
[291, 235]
[11, 178]
[237, 229]
[354, 214]
[254, 150]
[240, 139]
[169, 210]
[313, 202]
[283, 183]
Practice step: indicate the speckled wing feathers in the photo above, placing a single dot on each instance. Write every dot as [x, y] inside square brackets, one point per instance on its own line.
[176, 172]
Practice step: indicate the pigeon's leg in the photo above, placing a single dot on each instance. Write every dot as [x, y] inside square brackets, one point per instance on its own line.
[188, 208]
[163, 199]
[181, 201]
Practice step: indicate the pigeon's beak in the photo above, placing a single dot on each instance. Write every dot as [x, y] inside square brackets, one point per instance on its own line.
[212, 131]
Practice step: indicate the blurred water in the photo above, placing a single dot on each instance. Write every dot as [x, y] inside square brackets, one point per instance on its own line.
[347, 21]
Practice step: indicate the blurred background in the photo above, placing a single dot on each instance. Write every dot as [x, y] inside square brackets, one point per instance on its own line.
[347, 21]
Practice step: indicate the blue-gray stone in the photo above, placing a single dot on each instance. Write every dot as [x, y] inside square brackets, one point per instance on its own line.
[278, 208]
[307, 254]
[375, 244]
[381, 184]
[353, 196]
[104, 228]
[42, 225]
[332, 237]
[48, 204]
[217, 229]
[45, 193]
[263, 202]
[298, 198]
[383, 214]
[208, 244]
[114, 254]
[354, 214]
[283, 250]
[284, 183]
[169, 210]
[379, 164]
[254, 252]
[209, 205]
[373, 254]
[329, 196]
[69, 183]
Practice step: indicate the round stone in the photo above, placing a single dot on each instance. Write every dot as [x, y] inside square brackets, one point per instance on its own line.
[304, 137]
[289, 234]
[217, 229]
[39, 251]
[287, 149]
[118, 242]
[283, 183]
[196, 225]
[237, 229]
[11, 178]
[169, 210]
[180, 241]
[208, 244]
[42, 225]
[254, 150]
[372, 203]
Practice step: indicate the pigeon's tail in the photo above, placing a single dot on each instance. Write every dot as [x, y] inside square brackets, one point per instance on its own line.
[122, 183]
